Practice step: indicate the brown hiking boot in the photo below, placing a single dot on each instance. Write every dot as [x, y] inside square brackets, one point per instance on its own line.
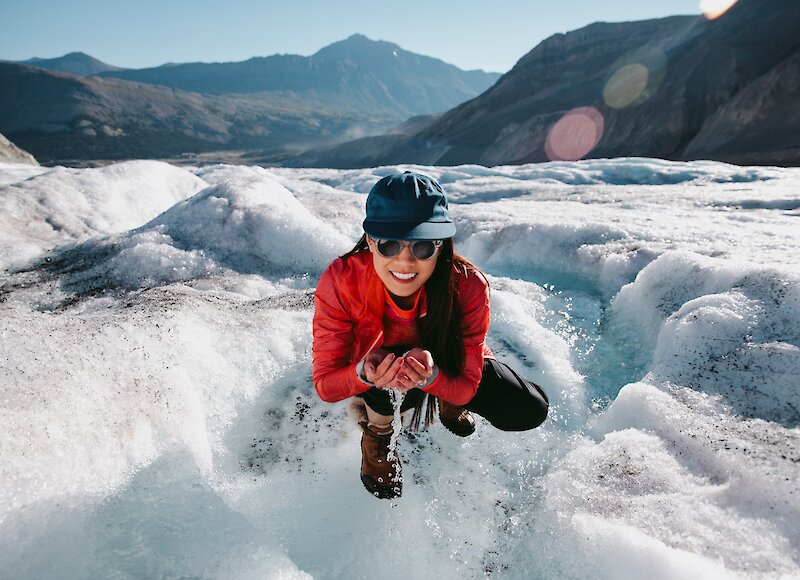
[379, 475]
[456, 419]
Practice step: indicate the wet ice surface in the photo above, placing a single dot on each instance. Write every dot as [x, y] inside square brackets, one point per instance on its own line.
[158, 418]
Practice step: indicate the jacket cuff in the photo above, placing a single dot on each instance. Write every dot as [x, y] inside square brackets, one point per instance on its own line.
[431, 382]
[360, 373]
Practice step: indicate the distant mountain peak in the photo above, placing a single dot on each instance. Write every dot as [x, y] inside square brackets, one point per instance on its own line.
[79, 56]
[359, 39]
[355, 43]
[77, 63]
[70, 56]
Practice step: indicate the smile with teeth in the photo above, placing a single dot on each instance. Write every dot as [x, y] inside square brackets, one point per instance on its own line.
[404, 275]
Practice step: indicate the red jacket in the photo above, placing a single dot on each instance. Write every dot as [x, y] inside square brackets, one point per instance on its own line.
[348, 323]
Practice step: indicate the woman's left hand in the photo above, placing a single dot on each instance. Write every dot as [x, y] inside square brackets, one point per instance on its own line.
[417, 368]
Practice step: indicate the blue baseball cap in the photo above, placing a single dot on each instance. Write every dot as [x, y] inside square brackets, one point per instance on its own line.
[408, 206]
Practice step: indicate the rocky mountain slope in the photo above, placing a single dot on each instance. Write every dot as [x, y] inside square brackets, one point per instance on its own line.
[675, 88]
[62, 117]
[13, 154]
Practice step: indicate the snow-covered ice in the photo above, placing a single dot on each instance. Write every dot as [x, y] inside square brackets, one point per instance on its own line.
[157, 417]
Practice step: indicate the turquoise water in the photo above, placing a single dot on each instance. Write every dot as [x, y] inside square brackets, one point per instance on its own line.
[603, 350]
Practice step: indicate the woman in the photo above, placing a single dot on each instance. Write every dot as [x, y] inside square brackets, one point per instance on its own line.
[402, 311]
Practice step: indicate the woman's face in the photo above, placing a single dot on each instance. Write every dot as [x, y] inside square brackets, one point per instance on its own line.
[403, 275]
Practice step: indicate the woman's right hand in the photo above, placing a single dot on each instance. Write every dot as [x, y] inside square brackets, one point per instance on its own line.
[381, 368]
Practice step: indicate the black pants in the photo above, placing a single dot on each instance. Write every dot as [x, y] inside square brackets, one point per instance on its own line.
[505, 399]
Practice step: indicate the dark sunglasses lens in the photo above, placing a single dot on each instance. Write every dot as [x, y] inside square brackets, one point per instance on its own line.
[423, 250]
[389, 248]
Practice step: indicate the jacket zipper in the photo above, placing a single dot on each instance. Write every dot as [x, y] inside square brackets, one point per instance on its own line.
[372, 346]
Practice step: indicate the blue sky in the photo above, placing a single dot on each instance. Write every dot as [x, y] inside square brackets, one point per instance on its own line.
[488, 35]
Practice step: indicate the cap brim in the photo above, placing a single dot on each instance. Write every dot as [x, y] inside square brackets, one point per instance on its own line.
[409, 231]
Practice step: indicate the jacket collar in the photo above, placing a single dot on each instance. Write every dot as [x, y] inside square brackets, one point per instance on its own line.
[376, 296]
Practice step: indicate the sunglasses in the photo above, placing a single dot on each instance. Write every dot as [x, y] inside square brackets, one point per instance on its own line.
[420, 249]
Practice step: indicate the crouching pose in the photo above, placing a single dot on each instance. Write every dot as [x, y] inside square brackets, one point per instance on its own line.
[402, 311]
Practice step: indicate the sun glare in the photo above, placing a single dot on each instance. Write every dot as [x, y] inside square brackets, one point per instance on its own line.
[713, 9]
[575, 134]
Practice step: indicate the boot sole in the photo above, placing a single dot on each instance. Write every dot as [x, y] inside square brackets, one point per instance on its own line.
[456, 429]
[378, 490]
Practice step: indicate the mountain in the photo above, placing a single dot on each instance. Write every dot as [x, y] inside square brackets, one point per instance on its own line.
[678, 88]
[356, 74]
[13, 154]
[63, 117]
[272, 106]
[77, 63]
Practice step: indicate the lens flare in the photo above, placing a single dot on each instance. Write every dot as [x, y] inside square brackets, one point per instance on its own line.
[626, 85]
[635, 77]
[574, 135]
[713, 9]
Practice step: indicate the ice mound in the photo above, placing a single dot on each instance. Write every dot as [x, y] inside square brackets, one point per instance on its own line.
[140, 260]
[720, 329]
[70, 205]
[666, 466]
[252, 224]
[593, 254]
[339, 204]
[247, 225]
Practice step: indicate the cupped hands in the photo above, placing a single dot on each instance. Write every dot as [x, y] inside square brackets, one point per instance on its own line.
[386, 370]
